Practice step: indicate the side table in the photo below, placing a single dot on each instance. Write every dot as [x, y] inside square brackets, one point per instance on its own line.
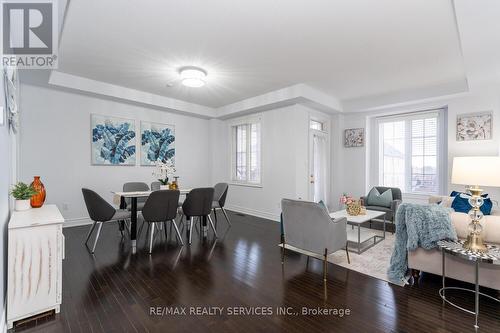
[455, 248]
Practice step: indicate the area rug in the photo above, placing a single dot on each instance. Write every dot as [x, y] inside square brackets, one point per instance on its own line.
[373, 262]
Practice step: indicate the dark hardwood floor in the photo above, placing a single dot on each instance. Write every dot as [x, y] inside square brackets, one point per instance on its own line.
[114, 291]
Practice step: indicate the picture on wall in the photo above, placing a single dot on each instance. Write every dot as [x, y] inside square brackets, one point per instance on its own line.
[474, 126]
[157, 143]
[113, 140]
[354, 137]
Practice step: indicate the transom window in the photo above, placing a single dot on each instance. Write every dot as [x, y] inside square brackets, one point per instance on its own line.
[409, 151]
[316, 125]
[246, 153]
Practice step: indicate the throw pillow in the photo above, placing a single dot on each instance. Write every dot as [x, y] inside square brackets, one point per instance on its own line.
[374, 198]
[461, 204]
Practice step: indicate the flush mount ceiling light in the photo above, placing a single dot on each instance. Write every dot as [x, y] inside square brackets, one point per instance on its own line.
[193, 77]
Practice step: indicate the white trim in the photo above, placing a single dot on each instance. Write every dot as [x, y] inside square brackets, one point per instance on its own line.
[254, 212]
[234, 183]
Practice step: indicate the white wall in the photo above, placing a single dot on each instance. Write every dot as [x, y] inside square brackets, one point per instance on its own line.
[285, 161]
[356, 160]
[55, 144]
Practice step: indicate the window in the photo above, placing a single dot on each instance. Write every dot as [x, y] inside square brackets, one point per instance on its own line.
[316, 125]
[246, 153]
[409, 151]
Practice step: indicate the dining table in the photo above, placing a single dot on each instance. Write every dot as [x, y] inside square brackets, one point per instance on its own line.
[133, 196]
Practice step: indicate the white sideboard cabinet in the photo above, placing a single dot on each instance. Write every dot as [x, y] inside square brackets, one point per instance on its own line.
[36, 251]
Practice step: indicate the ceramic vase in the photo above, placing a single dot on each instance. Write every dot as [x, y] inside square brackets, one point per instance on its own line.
[38, 199]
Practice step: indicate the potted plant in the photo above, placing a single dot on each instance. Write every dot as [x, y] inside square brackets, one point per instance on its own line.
[22, 193]
[163, 171]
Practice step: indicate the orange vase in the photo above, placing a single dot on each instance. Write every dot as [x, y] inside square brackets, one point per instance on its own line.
[38, 199]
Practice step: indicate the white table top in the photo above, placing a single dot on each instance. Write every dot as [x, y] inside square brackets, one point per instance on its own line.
[370, 215]
[45, 215]
[143, 194]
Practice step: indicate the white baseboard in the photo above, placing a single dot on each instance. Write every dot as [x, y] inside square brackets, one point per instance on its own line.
[76, 222]
[253, 212]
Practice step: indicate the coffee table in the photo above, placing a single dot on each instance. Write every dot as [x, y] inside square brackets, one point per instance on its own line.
[362, 235]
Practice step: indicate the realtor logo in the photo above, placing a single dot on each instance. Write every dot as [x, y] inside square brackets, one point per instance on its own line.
[29, 33]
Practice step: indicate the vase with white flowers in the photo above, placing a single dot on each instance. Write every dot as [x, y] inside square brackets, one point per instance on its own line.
[22, 193]
[163, 171]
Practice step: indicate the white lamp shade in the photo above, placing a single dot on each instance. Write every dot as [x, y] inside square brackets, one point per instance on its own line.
[476, 170]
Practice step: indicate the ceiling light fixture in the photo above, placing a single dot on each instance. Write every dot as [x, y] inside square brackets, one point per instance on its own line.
[193, 77]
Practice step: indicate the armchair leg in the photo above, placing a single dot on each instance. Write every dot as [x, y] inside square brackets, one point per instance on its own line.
[347, 253]
[325, 265]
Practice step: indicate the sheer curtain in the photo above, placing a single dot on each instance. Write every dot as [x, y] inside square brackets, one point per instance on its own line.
[320, 167]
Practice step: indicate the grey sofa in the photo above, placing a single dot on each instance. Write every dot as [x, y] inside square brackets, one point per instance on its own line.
[397, 198]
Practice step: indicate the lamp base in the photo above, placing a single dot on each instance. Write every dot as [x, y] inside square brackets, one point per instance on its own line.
[475, 243]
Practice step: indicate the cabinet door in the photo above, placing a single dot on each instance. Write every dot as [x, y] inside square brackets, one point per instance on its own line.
[33, 269]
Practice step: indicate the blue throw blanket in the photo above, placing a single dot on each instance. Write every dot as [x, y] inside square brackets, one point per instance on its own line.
[417, 226]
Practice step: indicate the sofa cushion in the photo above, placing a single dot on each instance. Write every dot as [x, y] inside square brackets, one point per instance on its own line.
[374, 198]
[388, 211]
[461, 204]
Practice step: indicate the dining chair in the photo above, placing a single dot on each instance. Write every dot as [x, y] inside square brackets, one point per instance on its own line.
[155, 186]
[220, 193]
[160, 208]
[101, 211]
[135, 187]
[198, 203]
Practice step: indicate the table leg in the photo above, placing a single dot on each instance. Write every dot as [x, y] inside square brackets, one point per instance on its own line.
[384, 225]
[133, 224]
[477, 294]
[123, 205]
[204, 221]
[359, 239]
[443, 272]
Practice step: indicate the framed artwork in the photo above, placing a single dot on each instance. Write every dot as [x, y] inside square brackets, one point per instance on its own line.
[474, 126]
[113, 140]
[157, 143]
[354, 137]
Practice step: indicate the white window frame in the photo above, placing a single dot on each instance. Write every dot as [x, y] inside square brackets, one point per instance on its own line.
[249, 120]
[441, 152]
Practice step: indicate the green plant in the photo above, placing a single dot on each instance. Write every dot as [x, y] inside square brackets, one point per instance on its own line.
[22, 191]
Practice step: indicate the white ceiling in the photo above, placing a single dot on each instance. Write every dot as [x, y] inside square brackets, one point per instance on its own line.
[345, 48]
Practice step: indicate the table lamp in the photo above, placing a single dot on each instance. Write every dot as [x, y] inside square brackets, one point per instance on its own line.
[476, 171]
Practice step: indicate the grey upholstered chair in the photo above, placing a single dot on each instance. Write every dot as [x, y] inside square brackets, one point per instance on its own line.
[308, 226]
[135, 187]
[198, 203]
[155, 186]
[390, 212]
[220, 194]
[101, 211]
[161, 207]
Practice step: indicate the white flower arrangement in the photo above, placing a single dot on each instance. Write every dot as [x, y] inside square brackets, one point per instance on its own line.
[164, 170]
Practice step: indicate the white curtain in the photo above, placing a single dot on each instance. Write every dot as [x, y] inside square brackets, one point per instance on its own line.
[320, 167]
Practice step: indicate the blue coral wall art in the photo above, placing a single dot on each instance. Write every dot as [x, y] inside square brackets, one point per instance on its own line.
[113, 140]
[157, 143]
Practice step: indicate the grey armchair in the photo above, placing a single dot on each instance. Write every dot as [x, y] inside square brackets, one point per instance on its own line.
[390, 212]
[308, 226]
